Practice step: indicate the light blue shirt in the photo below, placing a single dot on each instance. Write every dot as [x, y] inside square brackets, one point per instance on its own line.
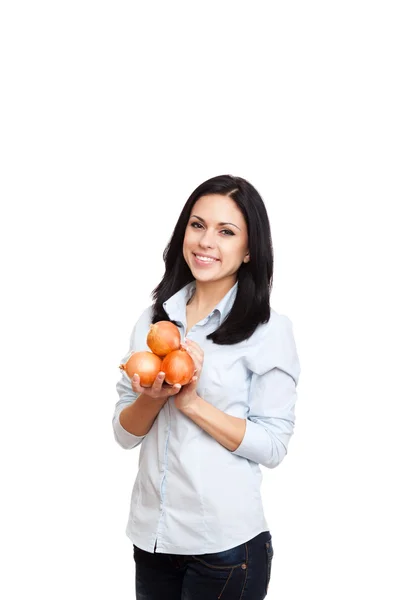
[191, 494]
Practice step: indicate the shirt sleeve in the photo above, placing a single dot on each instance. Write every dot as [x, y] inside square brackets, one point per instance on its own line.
[275, 369]
[125, 392]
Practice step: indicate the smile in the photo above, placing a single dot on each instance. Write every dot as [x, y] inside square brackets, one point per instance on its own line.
[205, 259]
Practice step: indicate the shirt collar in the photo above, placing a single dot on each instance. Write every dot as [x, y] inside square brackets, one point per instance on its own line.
[175, 306]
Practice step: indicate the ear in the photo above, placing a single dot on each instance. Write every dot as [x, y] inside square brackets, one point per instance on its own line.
[246, 258]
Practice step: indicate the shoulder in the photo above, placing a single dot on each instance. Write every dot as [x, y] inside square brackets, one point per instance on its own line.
[272, 345]
[271, 332]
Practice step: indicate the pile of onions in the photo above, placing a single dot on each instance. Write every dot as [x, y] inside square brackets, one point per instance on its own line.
[164, 341]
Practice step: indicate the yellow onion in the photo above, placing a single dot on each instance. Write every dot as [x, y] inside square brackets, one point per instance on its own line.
[146, 364]
[163, 338]
[178, 367]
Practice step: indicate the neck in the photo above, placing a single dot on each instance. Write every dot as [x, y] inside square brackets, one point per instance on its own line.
[208, 294]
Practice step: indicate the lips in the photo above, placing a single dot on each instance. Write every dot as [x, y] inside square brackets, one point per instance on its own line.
[203, 258]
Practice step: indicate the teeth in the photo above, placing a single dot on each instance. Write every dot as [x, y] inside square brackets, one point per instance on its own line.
[204, 259]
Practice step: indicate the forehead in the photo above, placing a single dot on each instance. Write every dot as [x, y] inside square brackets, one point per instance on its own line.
[218, 208]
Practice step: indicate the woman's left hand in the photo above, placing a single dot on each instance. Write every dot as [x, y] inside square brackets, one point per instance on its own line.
[188, 394]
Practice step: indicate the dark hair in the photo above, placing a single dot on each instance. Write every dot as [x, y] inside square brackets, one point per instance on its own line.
[252, 303]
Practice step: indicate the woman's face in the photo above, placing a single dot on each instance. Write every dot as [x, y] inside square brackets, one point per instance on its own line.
[216, 242]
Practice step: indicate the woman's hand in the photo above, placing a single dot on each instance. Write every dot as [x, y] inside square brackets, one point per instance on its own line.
[196, 352]
[159, 390]
[188, 394]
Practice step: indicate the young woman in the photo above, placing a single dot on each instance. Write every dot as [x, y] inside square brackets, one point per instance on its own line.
[196, 522]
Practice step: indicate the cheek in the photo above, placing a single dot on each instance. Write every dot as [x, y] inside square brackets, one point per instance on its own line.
[237, 253]
[186, 241]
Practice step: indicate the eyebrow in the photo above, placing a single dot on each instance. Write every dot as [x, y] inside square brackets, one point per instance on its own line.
[203, 221]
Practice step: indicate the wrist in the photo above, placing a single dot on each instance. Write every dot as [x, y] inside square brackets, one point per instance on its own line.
[193, 407]
[160, 401]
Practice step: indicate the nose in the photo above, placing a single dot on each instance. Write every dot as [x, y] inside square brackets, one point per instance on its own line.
[207, 239]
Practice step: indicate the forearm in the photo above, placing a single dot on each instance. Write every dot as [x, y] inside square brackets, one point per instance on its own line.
[225, 429]
[139, 417]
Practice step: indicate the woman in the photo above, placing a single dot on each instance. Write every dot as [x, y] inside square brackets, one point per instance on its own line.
[196, 521]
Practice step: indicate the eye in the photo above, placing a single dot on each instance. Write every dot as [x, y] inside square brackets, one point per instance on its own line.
[197, 225]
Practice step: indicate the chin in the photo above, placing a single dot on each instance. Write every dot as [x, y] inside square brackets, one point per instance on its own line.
[199, 276]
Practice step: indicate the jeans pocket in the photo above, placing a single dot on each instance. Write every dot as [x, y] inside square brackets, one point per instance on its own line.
[223, 574]
[227, 559]
[269, 553]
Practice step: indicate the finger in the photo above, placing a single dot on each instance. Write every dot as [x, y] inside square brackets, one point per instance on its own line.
[194, 349]
[194, 353]
[198, 362]
[136, 384]
[157, 385]
[175, 389]
[193, 345]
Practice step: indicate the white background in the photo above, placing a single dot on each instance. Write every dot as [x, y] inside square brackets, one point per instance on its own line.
[111, 114]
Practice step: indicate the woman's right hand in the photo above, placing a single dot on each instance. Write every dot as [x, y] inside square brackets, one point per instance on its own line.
[158, 390]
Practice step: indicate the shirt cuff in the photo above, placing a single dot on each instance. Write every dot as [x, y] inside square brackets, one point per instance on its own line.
[123, 437]
[258, 447]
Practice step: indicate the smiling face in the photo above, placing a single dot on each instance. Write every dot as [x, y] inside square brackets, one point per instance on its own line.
[216, 240]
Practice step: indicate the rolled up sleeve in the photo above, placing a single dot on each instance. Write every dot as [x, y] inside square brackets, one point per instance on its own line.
[275, 372]
[127, 397]
[124, 388]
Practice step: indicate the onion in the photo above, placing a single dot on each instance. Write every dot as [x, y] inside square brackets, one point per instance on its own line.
[178, 367]
[146, 364]
[163, 338]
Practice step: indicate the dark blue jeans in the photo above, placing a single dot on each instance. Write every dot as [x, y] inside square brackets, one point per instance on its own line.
[241, 573]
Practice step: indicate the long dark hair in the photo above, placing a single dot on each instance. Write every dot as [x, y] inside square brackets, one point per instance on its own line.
[252, 303]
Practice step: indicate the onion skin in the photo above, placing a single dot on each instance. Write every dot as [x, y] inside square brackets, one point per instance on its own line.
[146, 364]
[178, 367]
[163, 337]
